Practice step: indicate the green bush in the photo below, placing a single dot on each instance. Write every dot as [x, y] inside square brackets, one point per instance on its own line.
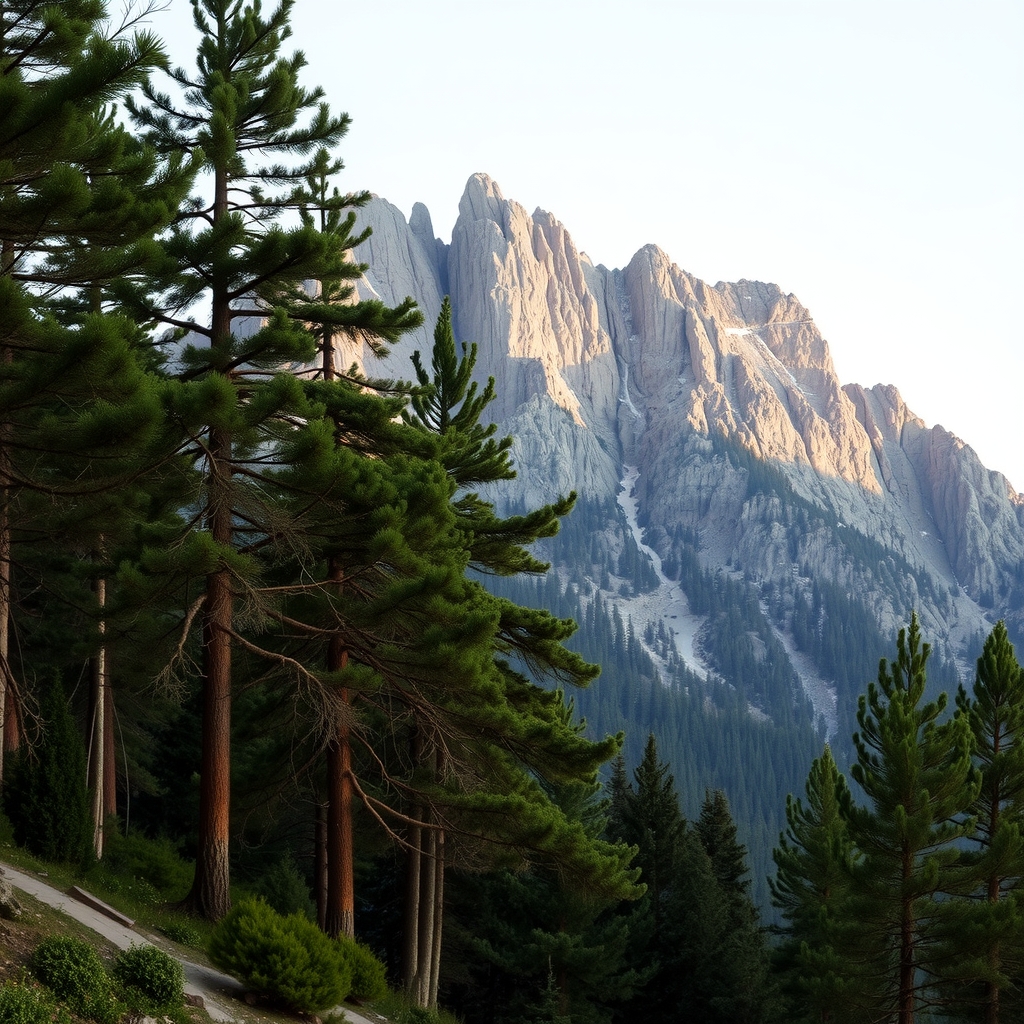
[74, 972]
[184, 934]
[153, 861]
[27, 1004]
[152, 980]
[69, 967]
[285, 959]
[369, 976]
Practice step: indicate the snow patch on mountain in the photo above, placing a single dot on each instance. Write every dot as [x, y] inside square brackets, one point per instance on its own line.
[668, 603]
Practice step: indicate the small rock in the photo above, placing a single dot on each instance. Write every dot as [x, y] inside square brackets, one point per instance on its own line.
[193, 999]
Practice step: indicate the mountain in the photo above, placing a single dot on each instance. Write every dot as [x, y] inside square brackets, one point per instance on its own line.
[751, 533]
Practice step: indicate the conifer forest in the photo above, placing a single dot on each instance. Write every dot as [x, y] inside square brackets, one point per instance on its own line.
[254, 605]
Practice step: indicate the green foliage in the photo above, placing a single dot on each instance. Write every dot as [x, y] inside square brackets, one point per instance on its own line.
[397, 1009]
[74, 972]
[45, 795]
[284, 889]
[995, 710]
[184, 934]
[915, 771]
[287, 960]
[156, 861]
[152, 980]
[369, 975]
[812, 888]
[704, 730]
[24, 1003]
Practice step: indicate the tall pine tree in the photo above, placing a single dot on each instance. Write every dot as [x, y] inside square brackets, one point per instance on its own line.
[995, 710]
[79, 201]
[244, 109]
[811, 889]
[916, 774]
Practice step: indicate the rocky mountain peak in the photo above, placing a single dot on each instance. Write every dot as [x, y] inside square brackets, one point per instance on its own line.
[647, 365]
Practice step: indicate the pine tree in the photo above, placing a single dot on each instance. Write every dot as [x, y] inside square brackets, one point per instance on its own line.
[649, 817]
[241, 106]
[450, 407]
[745, 990]
[811, 889]
[995, 711]
[916, 774]
[529, 938]
[360, 420]
[80, 198]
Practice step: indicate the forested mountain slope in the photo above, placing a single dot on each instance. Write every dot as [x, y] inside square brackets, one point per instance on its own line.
[751, 532]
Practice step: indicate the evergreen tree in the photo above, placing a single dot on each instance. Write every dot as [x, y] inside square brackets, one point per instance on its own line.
[916, 774]
[531, 940]
[995, 711]
[694, 939]
[811, 889]
[46, 797]
[360, 420]
[745, 991]
[241, 106]
[79, 197]
[449, 406]
[648, 816]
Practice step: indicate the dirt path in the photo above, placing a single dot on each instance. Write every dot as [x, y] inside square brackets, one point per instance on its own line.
[218, 991]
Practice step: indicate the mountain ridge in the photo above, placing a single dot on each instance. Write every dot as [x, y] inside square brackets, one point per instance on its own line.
[643, 366]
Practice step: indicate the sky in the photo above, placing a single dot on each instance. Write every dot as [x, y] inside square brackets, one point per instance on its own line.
[867, 157]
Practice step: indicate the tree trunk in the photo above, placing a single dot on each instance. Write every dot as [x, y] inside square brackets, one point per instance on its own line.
[435, 945]
[97, 739]
[109, 756]
[320, 866]
[411, 930]
[905, 1011]
[428, 906]
[340, 914]
[12, 720]
[6, 677]
[210, 895]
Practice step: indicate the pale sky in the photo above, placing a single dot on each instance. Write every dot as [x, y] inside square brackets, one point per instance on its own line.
[866, 157]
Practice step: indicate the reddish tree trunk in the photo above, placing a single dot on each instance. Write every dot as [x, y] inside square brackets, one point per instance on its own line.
[340, 913]
[210, 895]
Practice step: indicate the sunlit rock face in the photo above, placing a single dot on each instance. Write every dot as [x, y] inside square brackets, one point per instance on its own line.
[647, 366]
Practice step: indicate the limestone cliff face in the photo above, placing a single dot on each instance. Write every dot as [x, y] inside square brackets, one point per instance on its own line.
[649, 366]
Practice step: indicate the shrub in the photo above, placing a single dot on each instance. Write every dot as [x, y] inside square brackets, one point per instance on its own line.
[369, 976]
[69, 967]
[285, 959]
[74, 972]
[152, 980]
[184, 934]
[26, 1004]
[155, 861]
